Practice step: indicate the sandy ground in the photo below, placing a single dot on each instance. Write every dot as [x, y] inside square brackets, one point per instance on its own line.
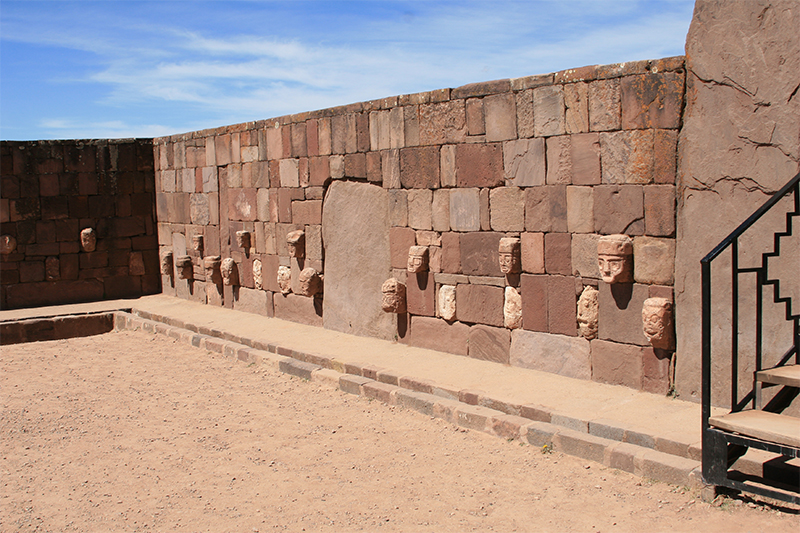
[135, 432]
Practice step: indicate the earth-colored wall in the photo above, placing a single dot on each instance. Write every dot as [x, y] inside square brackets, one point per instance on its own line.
[740, 142]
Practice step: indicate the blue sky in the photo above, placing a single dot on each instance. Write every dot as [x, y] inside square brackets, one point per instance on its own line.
[111, 69]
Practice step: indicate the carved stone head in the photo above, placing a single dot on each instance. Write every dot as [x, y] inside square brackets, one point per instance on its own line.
[166, 263]
[394, 296]
[88, 239]
[285, 279]
[184, 266]
[243, 239]
[230, 271]
[258, 279]
[309, 282]
[198, 243]
[657, 322]
[447, 302]
[8, 243]
[211, 265]
[615, 258]
[587, 313]
[297, 244]
[510, 262]
[418, 259]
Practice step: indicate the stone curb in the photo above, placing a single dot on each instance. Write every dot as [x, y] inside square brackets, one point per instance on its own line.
[598, 441]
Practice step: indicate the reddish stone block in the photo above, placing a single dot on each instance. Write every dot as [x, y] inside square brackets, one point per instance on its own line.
[420, 294]
[400, 240]
[53, 207]
[93, 260]
[437, 334]
[126, 227]
[500, 113]
[617, 364]
[30, 271]
[660, 291]
[222, 149]
[558, 253]
[479, 253]
[312, 137]
[652, 100]
[38, 294]
[656, 370]
[373, 167]
[355, 165]
[489, 343]
[45, 231]
[442, 122]
[285, 196]
[480, 304]
[533, 253]
[307, 212]
[665, 156]
[343, 134]
[619, 209]
[475, 119]
[585, 155]
[604, 105]
[659, 210]
[479, 165]
[69, 266]
[50, 248]
[122, 287]
[319, 171]
[299, 140]
[298, 309]
[274, 173]
[561, 306]
[451, 253]
[48, 185]
[546, 208]
[362, 132]
[533, 289]
[419, 167]
[620, 312]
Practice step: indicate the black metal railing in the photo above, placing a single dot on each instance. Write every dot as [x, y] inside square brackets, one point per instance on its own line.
[762, 279]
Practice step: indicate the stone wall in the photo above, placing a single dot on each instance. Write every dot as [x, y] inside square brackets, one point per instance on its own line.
[556, 160]
[739, 144]
[51, 191]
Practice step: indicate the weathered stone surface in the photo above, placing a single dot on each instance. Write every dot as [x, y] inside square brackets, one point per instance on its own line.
[398, 207]
[659, 210]
[400, 240]
[418, 259]
[534, 302]
[442, 122]
[620, 317]
[524, 162]
[440, 210]
[419, 167]
[558, 253]
[617, 364]
[548, 111]
[510, 255]
[604, 105]
[533, 253]
[299, 309]
[500, 117]
[507, 208]
[390, 168]
[615, 258]
[357, 259]
[512, 309]
[656, 370]
[476, 124]
[654, 260]
[253, 301]
[619, 209]
[546, 208]
[665, 156]
[480, 304]
[584, 255]
[580, 209]
[627, 156]
[561, 305]
[394, 296]
[258, 280]
[559, 160]
[479, 165]
[652, 100]
[524, 101]
[479, 254]
[242, 204]
[451, 252]
[587, 313]
[489, 344]
[465, 210]
[446, 302]
[420, 202]
[567, 356]
[437, 334]
[657, 323]
[576, 101]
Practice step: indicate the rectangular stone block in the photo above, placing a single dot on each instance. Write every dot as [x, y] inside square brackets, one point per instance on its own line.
[437, 334]
[652, 100]
[627, 156]
[659, 210]
[617, 364]
[307, 212]
[507, 208]
[400, 240]
[479, 165]
[665, 156]
[489, 343]
[585, 156]
[242, 204]
[548, 111]
[605, 113]
[298, 309]
[411, 125]
[355, 166]
[289, 173]
[442, 122]
[546, 208]
[420, 202]
[390, 169]
[654, 260]
[379, 130]
[619, 209]
[420, 294]
[500, 112]
[561, 305]
[576, 102]
[566, 356]
[476, 124]
[253, 301]
[374, 167]
[559, 160]
[440, 210]
[533, 289]
[656, 370]
[584, 255]
[580, 209]
[480, 304]
[447, 165]
[479, 254]
[558, 253]
[398, 207]
[465, 210]
[620, 312]
[532, 253]
[524, 162]
[524, 103]
[451, 253]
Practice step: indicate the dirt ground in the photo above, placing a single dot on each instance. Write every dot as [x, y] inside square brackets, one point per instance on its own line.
[135, 432]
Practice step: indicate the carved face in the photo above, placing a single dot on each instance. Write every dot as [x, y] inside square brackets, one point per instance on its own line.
[211, 265]
[285, 279]
[8, 243]
[243, 239]
[418, 259]
[198, 243]
[587, 313]
[510, 255]
[615, 258]
[447, 302]
[657, 322]
[229, 271]
[296, 241]
[258, 281]
[309, 282]
[88, 239]
[184, 266]
[394, 296]
[166, 263]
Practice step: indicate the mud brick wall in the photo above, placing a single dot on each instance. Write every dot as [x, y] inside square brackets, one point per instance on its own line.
[557, 160]
[51, 190]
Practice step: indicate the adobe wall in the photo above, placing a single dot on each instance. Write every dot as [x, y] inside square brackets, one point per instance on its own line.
[51, 191]
[557, 160]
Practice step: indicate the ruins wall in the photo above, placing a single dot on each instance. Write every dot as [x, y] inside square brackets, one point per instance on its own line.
[51, 191]
[557, 160]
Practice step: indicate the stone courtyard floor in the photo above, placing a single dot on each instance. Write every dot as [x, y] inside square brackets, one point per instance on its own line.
[136, 431]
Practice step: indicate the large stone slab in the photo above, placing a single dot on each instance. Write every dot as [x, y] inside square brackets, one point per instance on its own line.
[355, 230]
[557, 354]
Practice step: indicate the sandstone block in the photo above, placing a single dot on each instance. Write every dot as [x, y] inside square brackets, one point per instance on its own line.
[447, 165]
[307, 212]
[580, 209]
[533, 253]
[355, 165]
[480, 304]
[617, 364]
[479, 165]
[411, 125]
[619, 209]
[620, 317]
[298, 309]
[524, 102]
[465, 210]
[379, 133]
[507, 208]
[400, 240]
[437, 334]
[585, 156]
[446, 302]
[652, 100]
[559, 160]
[561, 305]
[489, 344]
[419, 167]
[627, 156]
[534, 302]
[576, 102]
[390, 169]
[558, 253]
[475, 117]
[656, 370]
[665, 156]
[548, 111]
[546, 208]
[584, 255]
[500, 117]
[420, 294]
[318, 170]
[374, 173]
[440, 210]
[483, 200]
[398, 207]
[605, 113]
[200, 209]
[263, 205]
[566, 356]
[654, 260]
[442, 122]
[659, 210]
[290, 176]
[222, 147]
[512, 309]
[336, 165]
[451, 252]
[242, 204]
[524, 162]
[479, 254]
[253, 301]
[420, 203]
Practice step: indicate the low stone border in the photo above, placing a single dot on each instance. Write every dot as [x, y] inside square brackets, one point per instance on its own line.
[55, 327]
[629, 451]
